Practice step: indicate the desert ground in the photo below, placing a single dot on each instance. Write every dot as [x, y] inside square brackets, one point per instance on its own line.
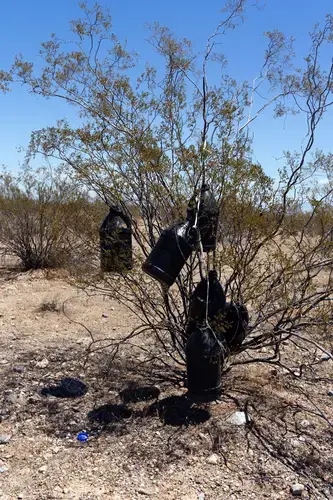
[151, 448]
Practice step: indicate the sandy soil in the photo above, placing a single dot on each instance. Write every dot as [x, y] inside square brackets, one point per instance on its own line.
[133, 452]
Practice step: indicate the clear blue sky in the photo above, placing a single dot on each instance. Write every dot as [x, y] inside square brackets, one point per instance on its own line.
[24, 25]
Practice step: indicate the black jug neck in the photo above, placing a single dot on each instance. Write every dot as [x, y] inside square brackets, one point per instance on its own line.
[115, 210]
[212, 275]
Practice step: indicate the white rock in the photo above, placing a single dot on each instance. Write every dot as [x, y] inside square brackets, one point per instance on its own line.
[238, 418]
[43, 468]
[4, 439]
[13, 398]
[297, 489]
[143, 491]
[42, 364]
[213, 459]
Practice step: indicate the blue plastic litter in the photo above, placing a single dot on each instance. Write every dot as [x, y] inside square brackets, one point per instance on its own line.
[83, 437]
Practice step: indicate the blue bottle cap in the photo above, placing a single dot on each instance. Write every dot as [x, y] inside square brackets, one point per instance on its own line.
[82, 436]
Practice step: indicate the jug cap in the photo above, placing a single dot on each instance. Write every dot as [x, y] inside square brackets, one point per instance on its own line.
[212, 274]
[115, 209]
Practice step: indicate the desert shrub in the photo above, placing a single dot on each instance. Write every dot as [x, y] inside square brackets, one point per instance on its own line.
[40, 215]
[150, 144]
[50, 305]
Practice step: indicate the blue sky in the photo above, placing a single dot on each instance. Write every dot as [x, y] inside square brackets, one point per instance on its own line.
[24, 25]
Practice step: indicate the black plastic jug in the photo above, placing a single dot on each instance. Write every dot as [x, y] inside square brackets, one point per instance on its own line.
[208, 219]
[170, 253]
[198, 305]
[204, 357]
[116, 242]
[236, 324]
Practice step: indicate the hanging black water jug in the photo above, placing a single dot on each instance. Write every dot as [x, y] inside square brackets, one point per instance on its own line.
[236, 323]
[170, 253]
[116, 242]
[203, 363]
[198, 305]
[208, 219]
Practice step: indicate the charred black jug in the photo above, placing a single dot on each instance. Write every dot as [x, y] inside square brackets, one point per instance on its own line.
[208, 219]
[116, 242]
[236, 323]
[198, 304]
[170, 253]
[204, 358]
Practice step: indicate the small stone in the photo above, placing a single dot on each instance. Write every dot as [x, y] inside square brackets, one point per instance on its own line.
[178, 454]
[325, 357]
[104, 315]
[65, 490]
[143, 491]
[43, 468]
[43, 363]
[4, 439]
[238, 418]
[18, 369]
[3, 468]
[330, 393]
[297, 489]
[213, 459]
[12, 398]
[4, 362]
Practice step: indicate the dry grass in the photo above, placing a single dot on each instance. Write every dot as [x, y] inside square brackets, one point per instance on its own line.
[50, 305]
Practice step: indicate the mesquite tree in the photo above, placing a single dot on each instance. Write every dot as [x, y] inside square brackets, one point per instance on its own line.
[148, 142]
